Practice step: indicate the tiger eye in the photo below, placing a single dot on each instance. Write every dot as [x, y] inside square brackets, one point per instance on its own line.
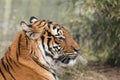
[54, 27]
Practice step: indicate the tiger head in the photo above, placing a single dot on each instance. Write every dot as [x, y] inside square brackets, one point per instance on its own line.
[54, 41]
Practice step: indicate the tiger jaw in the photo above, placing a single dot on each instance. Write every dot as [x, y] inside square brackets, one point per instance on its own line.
[67, 60]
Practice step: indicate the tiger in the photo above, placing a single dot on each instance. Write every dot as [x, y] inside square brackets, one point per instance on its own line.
[37, 50]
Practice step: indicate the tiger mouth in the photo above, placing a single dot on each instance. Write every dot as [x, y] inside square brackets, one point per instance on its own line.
[67, 58]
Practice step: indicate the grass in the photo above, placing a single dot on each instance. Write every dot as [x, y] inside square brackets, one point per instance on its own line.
[92, 71]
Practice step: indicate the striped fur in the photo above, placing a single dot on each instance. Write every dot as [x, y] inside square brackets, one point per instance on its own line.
[37, 50]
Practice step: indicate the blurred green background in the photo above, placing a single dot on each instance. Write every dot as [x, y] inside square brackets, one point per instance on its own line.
[94, 24]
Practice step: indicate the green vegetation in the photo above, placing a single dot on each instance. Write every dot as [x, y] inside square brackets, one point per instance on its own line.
[94, 24]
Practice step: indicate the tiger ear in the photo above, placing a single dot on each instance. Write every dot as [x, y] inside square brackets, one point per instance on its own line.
[29, 32]
[24, 26]
[33, 19]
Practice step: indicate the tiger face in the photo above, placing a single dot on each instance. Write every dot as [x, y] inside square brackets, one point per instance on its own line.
[55, 42]
[70, 49]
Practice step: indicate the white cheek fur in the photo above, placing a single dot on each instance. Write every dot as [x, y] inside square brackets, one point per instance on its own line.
[71, 63]
[54, 32]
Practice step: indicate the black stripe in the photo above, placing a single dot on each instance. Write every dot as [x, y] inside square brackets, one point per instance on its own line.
[35, 22]
[9, 50]
[9, 64]
[48, 54]
[51, 51]
[4, 64]
[43, 20]
[48, 33]
[13, 62]
[3, 74]
[31, 34]
[43, 66]
[6, 67]
[31, 50]
[42, 38]
[18, 52]
[56, 42]
[29, 25]
[49, 23]
[54, 75]
[19, 43]
[48, 42]
[40, 24]
[58, 31]
[10, 59]
[10, 73]
[17, 56]
[26, 41]
[44, 24]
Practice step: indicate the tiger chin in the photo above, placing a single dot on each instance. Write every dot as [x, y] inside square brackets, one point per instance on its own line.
[66, 60]
[37, 50]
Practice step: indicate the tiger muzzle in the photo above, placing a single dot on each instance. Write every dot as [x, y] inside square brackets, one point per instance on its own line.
[66, 58]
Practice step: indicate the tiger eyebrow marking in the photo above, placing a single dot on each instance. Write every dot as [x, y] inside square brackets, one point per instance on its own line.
[44, 24]
[39, 24]
[35, 22]
[43, 20]
[49, 23]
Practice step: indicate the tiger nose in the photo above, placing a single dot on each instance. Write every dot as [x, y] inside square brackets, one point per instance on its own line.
[77, 48]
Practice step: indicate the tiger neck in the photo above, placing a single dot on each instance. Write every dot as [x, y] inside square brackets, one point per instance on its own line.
[37, 54]
[22, 51]
[47, 65]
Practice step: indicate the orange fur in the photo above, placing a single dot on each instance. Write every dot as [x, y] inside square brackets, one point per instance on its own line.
[19, 61]
[23, 68]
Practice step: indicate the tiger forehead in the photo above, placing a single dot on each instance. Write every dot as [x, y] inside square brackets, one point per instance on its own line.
[41, 22]
[45, 25]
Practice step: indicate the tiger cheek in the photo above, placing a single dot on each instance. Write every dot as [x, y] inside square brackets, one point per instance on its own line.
[38, 35]
[62, 44]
